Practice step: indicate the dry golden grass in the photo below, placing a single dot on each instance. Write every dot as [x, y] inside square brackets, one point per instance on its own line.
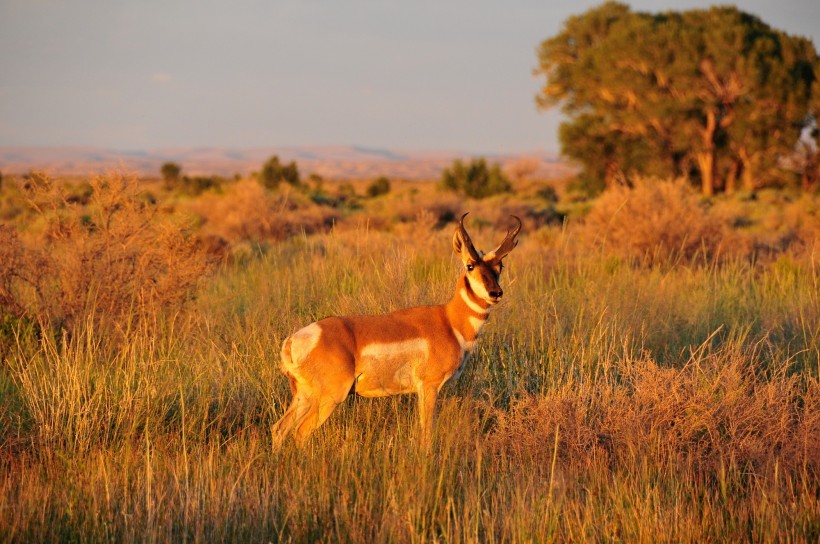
[676, 401]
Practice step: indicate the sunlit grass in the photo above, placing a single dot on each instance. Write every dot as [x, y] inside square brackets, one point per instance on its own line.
[605, 401]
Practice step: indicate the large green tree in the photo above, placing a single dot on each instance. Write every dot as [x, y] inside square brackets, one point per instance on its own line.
[716, 94]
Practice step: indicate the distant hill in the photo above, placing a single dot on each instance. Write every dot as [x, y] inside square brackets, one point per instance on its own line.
[327, 161]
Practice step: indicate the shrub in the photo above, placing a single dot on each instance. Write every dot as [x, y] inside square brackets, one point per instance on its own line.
[587, 184]
[653, 221]
[196, 185]
[475, 180]
[110, 264]
[547, 193]
[347, 191]
[246, 212]
[170, 173]
[274, 172]
[718, 409]
[380, 186]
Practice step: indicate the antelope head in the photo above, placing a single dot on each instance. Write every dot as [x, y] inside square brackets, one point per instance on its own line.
[483, 269]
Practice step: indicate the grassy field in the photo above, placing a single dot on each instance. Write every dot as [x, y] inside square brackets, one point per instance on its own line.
[637, 383]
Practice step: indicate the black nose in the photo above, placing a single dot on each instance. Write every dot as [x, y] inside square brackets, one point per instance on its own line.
[496, 294]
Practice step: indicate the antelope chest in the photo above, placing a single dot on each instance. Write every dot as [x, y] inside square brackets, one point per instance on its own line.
[390, 368]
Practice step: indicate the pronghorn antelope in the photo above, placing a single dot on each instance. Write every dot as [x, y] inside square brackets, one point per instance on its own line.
[414, 350]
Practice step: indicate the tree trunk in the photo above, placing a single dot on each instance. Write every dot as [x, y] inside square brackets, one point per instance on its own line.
[706, 157]
[706, 163]
[748, 170]
[731, 177]
[613, 176]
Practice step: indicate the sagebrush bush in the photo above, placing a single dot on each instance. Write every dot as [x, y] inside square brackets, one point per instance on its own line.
[115, 261]
[247, 212]
[651, 222]
[715, 410]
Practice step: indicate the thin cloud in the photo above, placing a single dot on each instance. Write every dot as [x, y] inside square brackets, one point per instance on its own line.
[161, 77]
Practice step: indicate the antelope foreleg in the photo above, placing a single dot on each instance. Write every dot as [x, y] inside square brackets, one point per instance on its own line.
[427, 407]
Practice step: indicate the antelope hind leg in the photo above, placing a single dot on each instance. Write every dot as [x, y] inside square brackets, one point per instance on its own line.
[295, 413]
[322, 409]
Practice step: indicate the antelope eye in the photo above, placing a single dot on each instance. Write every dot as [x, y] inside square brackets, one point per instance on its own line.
[470, 267]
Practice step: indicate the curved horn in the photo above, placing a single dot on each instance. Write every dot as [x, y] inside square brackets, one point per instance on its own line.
[465, 238]
[509, 241]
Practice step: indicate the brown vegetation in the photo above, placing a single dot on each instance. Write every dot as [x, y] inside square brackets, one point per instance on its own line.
[713, 412]
[115, 260]
[247, 212]
[654, 221]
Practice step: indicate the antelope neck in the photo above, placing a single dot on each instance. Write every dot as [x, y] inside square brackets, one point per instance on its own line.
[467, 312]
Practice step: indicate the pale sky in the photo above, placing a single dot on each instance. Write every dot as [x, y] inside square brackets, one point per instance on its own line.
[412, 75]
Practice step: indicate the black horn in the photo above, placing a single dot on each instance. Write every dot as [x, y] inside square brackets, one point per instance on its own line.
[509, 241]
[465, 238]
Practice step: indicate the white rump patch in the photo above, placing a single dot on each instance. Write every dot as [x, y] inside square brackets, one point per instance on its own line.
[303, 341]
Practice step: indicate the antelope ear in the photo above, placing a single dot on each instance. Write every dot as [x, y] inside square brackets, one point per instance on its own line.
[460, 247]
[457, 243]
